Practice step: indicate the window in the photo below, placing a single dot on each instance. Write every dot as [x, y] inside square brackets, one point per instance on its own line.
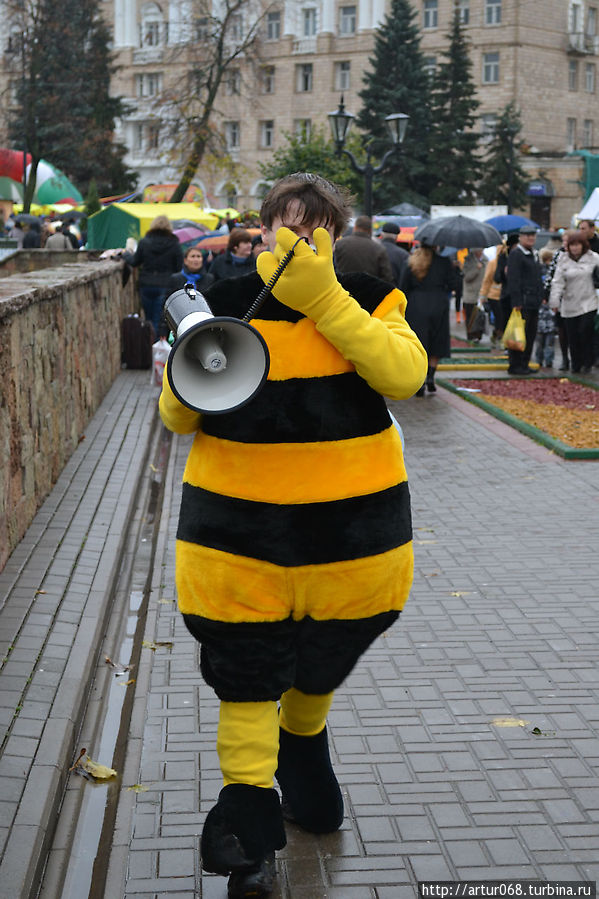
[152, 28]
[149, 84]
[309, 22]
[235, 30]
[573, 75]
[347, 20]
[490, 68]
[342, 76]
[587, 133]
[302, 128]
[273, 26]
[488, 125]
[138, 136]
[233, 82]
[571, 134]
[575, 18]
[203, 28]
[463, 7]
[430, 65]
[431, 11]
[591, 21]
[153, 138]
[303, 78]
[268, 80]
[232, 135]
[267, 134]
[492, 12]
[589, 77]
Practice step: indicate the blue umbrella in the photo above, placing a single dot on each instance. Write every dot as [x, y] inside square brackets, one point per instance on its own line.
[507, 223]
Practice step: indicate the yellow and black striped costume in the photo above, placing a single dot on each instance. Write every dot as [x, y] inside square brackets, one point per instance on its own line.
[294, 544]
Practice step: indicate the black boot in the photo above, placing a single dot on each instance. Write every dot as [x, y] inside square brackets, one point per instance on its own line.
[239, 837]
[311, 794]
[430, 379]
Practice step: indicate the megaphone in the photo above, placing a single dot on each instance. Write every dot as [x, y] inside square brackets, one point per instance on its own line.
[216, 364]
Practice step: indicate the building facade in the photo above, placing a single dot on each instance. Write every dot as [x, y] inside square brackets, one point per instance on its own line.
[306, 53]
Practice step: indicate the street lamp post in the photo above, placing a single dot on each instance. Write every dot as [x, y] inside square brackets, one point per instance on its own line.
[340, 122]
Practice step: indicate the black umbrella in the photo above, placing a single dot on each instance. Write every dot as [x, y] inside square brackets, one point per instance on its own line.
[458, 231]
[24, 218]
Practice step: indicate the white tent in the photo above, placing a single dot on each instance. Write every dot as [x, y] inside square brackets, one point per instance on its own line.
[590, 210]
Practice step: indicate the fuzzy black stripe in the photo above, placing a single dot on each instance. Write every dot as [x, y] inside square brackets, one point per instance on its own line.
[234, 296]
[303, 534]
[259, 662]
[305, 410]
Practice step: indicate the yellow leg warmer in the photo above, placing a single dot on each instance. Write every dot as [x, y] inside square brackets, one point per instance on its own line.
[248, 742]
[304, 714]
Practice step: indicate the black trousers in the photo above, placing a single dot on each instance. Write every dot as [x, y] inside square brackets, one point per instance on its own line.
[580, 330]
[519, 360]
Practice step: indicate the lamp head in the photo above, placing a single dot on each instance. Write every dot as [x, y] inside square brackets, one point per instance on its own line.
[340, 122]
[397, 123]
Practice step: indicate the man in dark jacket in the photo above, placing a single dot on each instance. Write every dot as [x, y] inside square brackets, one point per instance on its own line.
[525, 288]
[398, 257]
[587, 229]
[360, 253]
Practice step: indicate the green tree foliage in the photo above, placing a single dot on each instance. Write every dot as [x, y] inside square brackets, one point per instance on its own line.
[504, 180]
[92, 199]
[397, 81]
[454, 105]
[315, 153]
[61, 65]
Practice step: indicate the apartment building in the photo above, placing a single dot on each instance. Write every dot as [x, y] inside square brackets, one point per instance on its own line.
[542, 55]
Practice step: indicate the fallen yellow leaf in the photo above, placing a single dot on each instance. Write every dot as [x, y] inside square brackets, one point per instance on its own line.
[509, 722]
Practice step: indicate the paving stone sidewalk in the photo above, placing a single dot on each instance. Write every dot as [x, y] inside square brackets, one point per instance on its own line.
[502, 622]
[55, 594]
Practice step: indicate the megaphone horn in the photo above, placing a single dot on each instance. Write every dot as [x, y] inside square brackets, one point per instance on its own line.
[217, 363]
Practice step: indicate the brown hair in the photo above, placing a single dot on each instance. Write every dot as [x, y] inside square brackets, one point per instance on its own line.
[237, 236]
[161, 223]
[420, 261]
[323, 203]
[188, 250]
[576, 237]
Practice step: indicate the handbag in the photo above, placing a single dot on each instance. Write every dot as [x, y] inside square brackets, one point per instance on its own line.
[514, 336]
[477, 325]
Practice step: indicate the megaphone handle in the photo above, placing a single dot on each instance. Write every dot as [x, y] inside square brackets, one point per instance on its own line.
[267, 289]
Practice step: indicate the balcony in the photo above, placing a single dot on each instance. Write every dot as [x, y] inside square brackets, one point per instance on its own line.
[305, 45]
[148, 54]
[578, 42]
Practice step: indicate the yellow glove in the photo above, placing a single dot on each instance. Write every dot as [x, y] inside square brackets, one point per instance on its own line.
[309, 283]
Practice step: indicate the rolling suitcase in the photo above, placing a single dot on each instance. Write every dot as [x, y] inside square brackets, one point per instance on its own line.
[137, 339]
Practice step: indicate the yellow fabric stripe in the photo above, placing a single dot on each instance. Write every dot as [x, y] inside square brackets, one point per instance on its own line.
[304, 714]
[297, 350]
[248, 742]
[225, 587]
[394, 299]
[297, 472]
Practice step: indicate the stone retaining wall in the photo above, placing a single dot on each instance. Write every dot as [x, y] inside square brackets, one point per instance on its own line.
[60, 350]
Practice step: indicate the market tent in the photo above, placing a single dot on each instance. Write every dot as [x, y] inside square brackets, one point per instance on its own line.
[590, 210]
[110, 228]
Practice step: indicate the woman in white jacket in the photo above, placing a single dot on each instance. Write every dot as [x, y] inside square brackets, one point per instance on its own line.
[573, 293]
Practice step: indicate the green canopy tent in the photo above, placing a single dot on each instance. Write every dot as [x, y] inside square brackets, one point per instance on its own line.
[110, 228]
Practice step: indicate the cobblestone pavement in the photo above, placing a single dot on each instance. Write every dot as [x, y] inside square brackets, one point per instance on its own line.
[502, 622]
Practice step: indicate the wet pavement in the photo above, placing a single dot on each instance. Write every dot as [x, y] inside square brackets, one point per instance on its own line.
[502, 623]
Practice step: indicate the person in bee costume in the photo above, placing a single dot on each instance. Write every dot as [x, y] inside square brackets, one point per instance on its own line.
[294, 546]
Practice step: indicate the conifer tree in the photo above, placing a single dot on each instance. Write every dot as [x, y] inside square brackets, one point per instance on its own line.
[397, 81]
[505, 181]
[64, 112]
[454, 104]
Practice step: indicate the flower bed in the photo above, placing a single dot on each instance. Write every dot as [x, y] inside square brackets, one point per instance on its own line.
[561, 413]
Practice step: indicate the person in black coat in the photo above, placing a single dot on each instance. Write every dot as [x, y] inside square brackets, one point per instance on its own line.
[428, 281]
[398, 257]
[237, 260]
[525, 289]
[158, 255]
[193, 272]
